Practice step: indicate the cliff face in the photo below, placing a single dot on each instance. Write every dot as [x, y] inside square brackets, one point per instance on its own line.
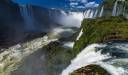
[9, 11]
[10, 20]
[114, 7]
[101, 30]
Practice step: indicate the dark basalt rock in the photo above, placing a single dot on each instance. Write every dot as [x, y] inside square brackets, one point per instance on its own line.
[90, 70]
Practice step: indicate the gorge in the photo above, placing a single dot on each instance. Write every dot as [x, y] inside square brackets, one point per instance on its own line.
[72, 37]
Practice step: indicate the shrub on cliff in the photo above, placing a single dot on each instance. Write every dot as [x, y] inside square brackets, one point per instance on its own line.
[101, 30]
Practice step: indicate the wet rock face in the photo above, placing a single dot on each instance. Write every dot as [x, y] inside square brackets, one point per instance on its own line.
[9, 11]
[10, 22]
[90, 70]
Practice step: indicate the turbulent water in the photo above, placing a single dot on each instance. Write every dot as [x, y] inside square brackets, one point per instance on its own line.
[72, 18]
[29, 58]
[61, 17]
[112, 57]
[73, 12]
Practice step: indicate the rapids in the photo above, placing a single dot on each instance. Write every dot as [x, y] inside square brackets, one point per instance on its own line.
[112, 57]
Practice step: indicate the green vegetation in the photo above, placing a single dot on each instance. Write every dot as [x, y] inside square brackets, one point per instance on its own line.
[101, 30]
[109, 3]
[58, 57]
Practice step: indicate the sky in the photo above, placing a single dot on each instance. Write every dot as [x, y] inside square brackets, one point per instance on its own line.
[60, 3]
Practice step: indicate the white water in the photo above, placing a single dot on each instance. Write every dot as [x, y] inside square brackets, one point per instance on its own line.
[61, 32]
[69, 44]
[80, 34]
[112, 69]
[84, 58]
[114, 60]
[87, 14]
[117, 9]
[90, 13]
[114, 9]
[71, 18]
[95, 14]
[101, 12]
[10, 59]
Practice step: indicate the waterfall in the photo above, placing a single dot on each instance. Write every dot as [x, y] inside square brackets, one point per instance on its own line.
[67, 18]
[95, 14]
[84, 13]
[87, 14]
[114, 9]
[118, 8]
[101, 12]
[112, 57]
[91, 14]
[26, 13]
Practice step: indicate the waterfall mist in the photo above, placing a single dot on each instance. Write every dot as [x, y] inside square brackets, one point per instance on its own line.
[26, 13]
[112, 57]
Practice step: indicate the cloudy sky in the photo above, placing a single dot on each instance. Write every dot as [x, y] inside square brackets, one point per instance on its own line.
[60, 3]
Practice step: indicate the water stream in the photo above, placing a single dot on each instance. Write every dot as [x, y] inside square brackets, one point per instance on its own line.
[112, 57]
[26, 13]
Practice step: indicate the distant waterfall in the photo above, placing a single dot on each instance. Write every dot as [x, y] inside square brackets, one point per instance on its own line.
[114, 9]
[101, 12]
[86, 14]
[26, 13]
[95, 14]
[90, 13]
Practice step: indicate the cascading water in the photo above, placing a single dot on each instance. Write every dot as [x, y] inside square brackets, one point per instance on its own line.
[67, 18]
[95, 14]
[101, 12]
[66, 15]
[72, 18]
[112, 57]
[90, 13]
[87, 14]
[114, 9]
[26, 13]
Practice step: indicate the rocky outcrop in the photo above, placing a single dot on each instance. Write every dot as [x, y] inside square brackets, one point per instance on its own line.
[11, 23]
[102, 30]
[90, 70]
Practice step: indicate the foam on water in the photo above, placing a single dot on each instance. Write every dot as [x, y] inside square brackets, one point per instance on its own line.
[84, 58]
[112, 69]
[69, 44]
[112, 57]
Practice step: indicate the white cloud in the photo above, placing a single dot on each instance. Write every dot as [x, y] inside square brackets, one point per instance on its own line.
[91, 4]
[84, 1]
[83, 4]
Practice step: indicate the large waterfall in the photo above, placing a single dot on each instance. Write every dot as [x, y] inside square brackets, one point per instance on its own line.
[72, 18]
[26, 13]
[112, 57]
[101, 12]
[71, 14]
[118, 8]
[114, 9]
